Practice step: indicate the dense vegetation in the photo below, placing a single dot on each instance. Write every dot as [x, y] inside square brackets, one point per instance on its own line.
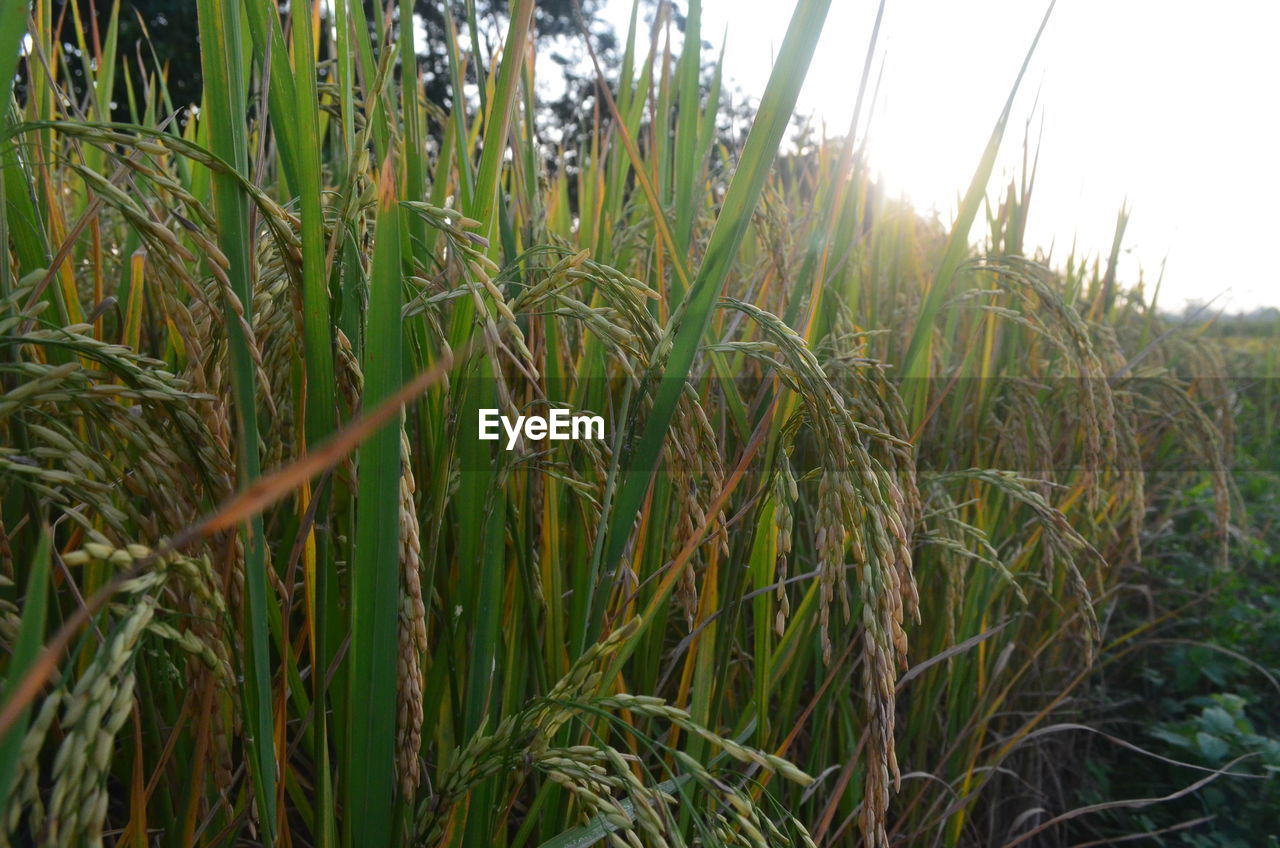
[856, 558]
[1198, 684]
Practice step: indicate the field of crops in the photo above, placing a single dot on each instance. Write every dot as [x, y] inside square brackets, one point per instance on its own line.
[841, 571]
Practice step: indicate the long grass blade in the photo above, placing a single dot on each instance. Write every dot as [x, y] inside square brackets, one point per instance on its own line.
[225, 93]
[375, 583]
[690, 319]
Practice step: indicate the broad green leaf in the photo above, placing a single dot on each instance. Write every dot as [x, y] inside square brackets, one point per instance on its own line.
[375, 578]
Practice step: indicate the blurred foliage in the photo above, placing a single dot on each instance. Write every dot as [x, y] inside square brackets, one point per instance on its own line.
[1204, 689]
[159, 33]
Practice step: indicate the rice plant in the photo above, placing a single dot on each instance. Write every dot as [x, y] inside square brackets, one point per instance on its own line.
[837, 563]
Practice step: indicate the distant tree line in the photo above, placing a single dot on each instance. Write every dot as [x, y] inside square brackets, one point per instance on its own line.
[162, 36]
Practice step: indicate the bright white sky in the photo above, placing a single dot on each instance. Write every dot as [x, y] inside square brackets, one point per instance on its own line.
[1172, 105]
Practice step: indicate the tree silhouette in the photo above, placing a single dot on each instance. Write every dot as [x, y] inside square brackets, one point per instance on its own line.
[163, 35]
